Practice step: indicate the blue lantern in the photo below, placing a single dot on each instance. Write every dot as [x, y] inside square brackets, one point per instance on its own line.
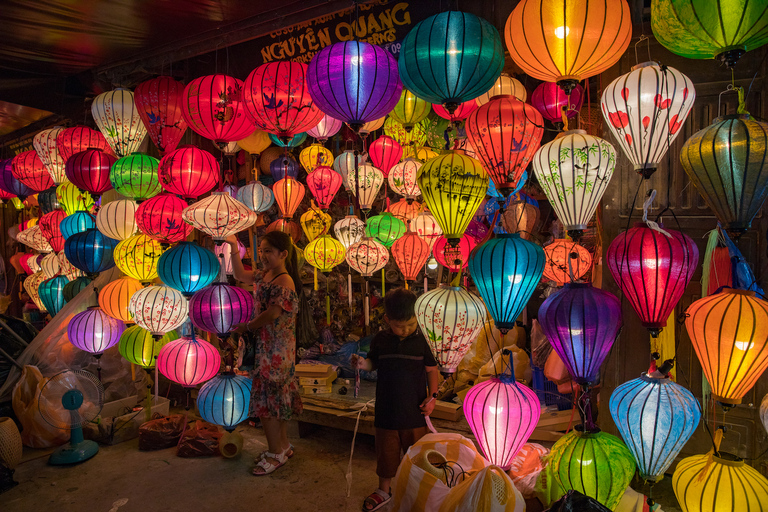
[506, 271]
[224, 400]
[283, 166]
[295, 141]
[465, 48]
[495, 194]
[72, 288]
[52, 293]
[76, 223]
[187, 267]
[90, 251]
[656, 417]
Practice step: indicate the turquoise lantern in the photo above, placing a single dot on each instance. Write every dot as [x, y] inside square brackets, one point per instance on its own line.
[224, 400]
[90, 251]
[76, 223]
[52, 293]
[188, 268]
[296, 140]
[466, 50]
[506, 270]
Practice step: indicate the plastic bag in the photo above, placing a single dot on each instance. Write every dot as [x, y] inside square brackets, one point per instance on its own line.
[540, 346]
[161, 432]
[37, 433]
[526, 467]
[574, 501]
[200, 439]
[488, 490]
[555, 370]
[489, 342]
[521, 363]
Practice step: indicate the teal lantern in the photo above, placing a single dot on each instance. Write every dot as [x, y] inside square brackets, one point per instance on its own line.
[450, 58]
[293, 142]
[506, 270]
[52, 293]
[90, 251]
[188, 268]
[135, 176]
[76, 223]
[386, 228]
[72, 288]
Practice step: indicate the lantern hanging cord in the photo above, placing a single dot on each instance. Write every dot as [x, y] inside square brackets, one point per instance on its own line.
[643, 37]
[646, 206]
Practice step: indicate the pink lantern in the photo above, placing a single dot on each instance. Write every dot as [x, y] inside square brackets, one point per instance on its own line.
[188, 361]
[89, 170]
[160, 218]
[323, 183]
[385, 152]
[461, 112]
[219, 215]
[223, 253]
[426, 226]
[50, 227]
[29, 169]
[402, 178]
[454, 258]
[158, 101]
[367, 256]
[325, 129]
[79, 138]
[213, 107]
[550, 99]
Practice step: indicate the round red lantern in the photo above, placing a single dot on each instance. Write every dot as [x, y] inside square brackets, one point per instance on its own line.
[288, 195]
[563, 256]
[30, 170]
[550, 100]
[213, 107]
[411, 254]
[454, 258]
[461, 112]
[51, 230]
[160, 218]
[323, 183]
[385, 152]
[158, 102]
[89, 170]
[188, 171]
[79, 138]
[286, 226]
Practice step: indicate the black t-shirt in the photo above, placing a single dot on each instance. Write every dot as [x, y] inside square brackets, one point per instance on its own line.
[402, 378]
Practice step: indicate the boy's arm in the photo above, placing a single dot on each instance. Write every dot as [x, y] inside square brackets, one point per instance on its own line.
[364, 364]
[428, 405]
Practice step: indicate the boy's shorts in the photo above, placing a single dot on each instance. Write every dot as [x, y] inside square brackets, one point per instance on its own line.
[391, 445]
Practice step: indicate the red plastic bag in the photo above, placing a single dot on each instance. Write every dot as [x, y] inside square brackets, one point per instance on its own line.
[200, 439]
[163, 432]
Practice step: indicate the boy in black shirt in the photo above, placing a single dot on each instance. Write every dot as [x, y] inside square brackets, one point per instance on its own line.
[406, 367]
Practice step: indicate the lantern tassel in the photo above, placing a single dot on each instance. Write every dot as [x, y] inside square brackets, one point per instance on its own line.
[456, 280]
[666, 342]
[316, 286]
[383, 276]
[712, 239]
[710, 456]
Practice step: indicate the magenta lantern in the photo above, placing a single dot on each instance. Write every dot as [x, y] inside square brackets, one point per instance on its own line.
[160, 219]
[384, 153]
[549, 99]
[94, 331]
[325, 129]
[218, 308]
[323, 183]
[461, 112]
[158, 101]
[79, 138]
[188, 171]
[30, 170]
[454, 258]
[89, 170]
[213, 107]
[188, 361]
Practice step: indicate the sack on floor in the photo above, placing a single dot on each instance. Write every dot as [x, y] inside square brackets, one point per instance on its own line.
[37, 433]
[488, 490]
[162, 432]
[574, 501]
[200, 439]
[526, 466]
[433, 465]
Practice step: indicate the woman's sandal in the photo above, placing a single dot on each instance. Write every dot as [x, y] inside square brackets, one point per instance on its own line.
[376, 500]
[289, 454]
[266, 464]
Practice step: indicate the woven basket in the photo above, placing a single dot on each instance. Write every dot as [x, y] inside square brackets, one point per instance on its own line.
[10, 443]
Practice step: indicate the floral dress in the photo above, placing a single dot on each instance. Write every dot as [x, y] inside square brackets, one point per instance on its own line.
[275, 393]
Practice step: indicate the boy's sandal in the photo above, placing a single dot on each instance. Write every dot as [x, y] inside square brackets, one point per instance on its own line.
[266, 464]
[376, 500]
[289, 453]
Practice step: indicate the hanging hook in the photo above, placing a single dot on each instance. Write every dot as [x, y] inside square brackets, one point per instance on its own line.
[729, 88]
[643, 37]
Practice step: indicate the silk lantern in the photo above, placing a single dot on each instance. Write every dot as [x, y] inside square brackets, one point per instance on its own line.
[10, 184]
[652, 270]
[364, 182]
[32, 287]
[425, 225]
[292, 142]
[50, 264]
[255, 143]
[416, 137]
[74, 287]
[323, 184]
[118, 119]
[410, 109]
[139, 347]
[349, 231]
[72, 199]
[80, 138]
[346, 162]
[158, 102]
[574, 171]
[505, 85]
[45, 146]
[567, 52]
[502, 414]
[467, 49]
[506, 270]
[454, 258]
[367, 256]
[135, 176]
[372, 126]
[67, 269]
[655, 417]
[314, 156]
[158, 309]
[50, 227]
[288, 195]
[384, 153]
[324, 253]
[710, 30]
[450, 318]
[354, 81]
[29, 263]
[563, 257]
[315, 223]
[284, 166]
[411, 254]
[550, 100]
[224, 256]
[160, 218]
[461, 112]
[277, 99]
[225, 400]
[285, 226]
[256, 196]
[405, 210]
[219, 215]
[117, 219]
[33, 238]
[93, 331]
[218, 308]
[188, 268]
[402, 178]
[137, 257]
[51, 293]
[325, 129]
[726, 163]
[453, 186]
[188, 361]
[89, 170]
[90, 251]
[505, 133]
[47, 200]
[728, 331]
[213, 107]
[188, 171]
[645, 109]
[115, 296]
[30, 170]
[386, 228]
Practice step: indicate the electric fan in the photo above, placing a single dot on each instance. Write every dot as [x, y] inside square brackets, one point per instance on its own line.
[82, 396]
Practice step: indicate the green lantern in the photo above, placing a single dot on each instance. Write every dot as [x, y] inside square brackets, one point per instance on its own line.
[410, 109]
[72, 288]
[707, 30]
[135, 176]
[139, 347]
[386, 228]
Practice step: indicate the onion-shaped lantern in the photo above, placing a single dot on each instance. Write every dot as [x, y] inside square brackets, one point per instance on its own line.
[158, 309]
[349, 231]
[284, 166]
[90, 251]
[410, 109]
[188, 268]
[288, 195]
[52, 294]
[450, 318]
[30, 264]
[80, 138]
[364, 182]
[135, 176]
[652, 270]
[189, 361]
[219, 307]
[461, 112]
[405, 210]
[314, 156]
[454, 258]
[324, 253]
[564, 258]
[115, 296]
[354, 81]
[453, 186]
[574, 171]
[94, 331]
[506, 271]
[72, 199]
[213, 107]
[256, 196]
[505, 85]
[325, 129]
[160, 218]
[33, 237]
[188, 172]
[726, 163]
[551, 42]
[219, 215]
[67, 269]
[502, 414]
[323, 184]
[411, 254]
[729, 332]
[505, 133]
[285, 226]
[30, 170]
[255, 143]
[10, 184]
[425, 225]
[50, 264]
[367, 256]
[224, 400]
[32, 287]
[118, 119]
[656, 417]
[402, 178]
[117, 219]
[465, 47]
[137, 257]
[386, 228]
[158, 102]
[581, 323]
[550, 100]
[277, 99]
[315, 223]
[645, 109]
[50, 227]
[346, 163]
[89, 170]
[72, 288]
[139, 347]
[45, 145]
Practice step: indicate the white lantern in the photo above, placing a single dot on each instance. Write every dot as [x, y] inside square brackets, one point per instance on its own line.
[645, 110]
[219, 215]
[345, 163]
[505, 85]
[574, 171]
[402, 178]
[349, 231]
[764, 412]
[117, 219]
[326, 128]
[32, 285]
[50, 265]
[67, 269]
[45, 146]
[33, 237]
[118, 119]
[256, 196]
[426, 226]
[451, 318]
[231, 148]
[365, 183]
[367, 256]
[158, 309]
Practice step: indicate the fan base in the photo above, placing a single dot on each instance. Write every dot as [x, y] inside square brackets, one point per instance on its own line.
[73, 454]
[6, 479]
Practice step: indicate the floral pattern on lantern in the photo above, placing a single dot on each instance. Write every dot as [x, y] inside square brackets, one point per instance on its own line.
[139, 347]
[416, 137]
[50, 227]
[117, 219]
[324, 253]
[188, 171]
[67, 269]
[346, 163]
[72, 199]
[367, 256]
[189, 268]
[158, 102]
[314, 156]
[137, 257]
[33, 238]
[90, 169]
[188, 361]
[323, 184]
[115, 296]
[30, 170]
[315, 223]
[550, 100]
[80, 138]
[349, 231]
[32, 286]
[50, 264]
[45, 146]
[425, 225]
[160, 218]
[365, 183]
[411, 253]
[213, 107]
[135, 176]
[218, 308]
[563, 257]
[93, 331]
[256, 196]
[158, 309]
[402, 178]
[219, 215]
[118, 119]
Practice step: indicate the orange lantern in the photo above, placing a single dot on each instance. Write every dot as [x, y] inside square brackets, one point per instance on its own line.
[405, 210]
[288, 195]
[520, 217]
[411, 254]
[286, 226]
[556, 261]
[115, 296]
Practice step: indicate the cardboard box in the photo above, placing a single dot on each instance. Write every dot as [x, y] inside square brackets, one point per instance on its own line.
[446, 411]
[317, 390]
[313, 370]
[318, 381]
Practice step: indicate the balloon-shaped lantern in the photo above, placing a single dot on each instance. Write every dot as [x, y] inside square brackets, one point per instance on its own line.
[45, 145]
[160, 218]
[50, 227]
[32, 287]
[30, 170]
[323, 183]
[219, 215]
[564, 257]
[386, 228]
[90, 170]
[286, 226]
[314, 156]
[224, 400]
[50, 264]
[288, 195]
[67, 269]
[315, 223]
[115, 296]
[80, 138]
[158, 101]
[349, 231]
[384, 153]
[454, 258]
[118, 119]
[187, 267]
[256, 196]
[135, 176]
[364, 182]
[47, 200]
[416, 137]
[325, 129]
[72, 199]
[188, 172]
[425, 225]
[72, 288]
[10, 184]
[189, 361]
[367, 256]
[33, 237]
[550, 100]
[505, 85]
[284, 166]
[402, 178]
[94, 331]
[372, 126]
[51, 293]
[213, 107]
[255, 143]
[137, 257]
[218, 308]
[139, 347]
[411, 253]
[158, 309]
[117, 219]
[346, 163]
[324, 253]
[76, 223]
[410, 109]
[90, 251]
[405, 210]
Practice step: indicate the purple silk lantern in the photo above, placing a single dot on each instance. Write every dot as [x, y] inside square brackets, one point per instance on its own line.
[10, 184]
[549, 99]
[219, 307]
[94, 331]
[581, 323]
[354, 81]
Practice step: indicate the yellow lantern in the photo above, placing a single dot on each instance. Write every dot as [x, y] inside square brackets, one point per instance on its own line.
[410, 109]
[415, 136]
[137, 257]
[324, 253]
[72, 199]
[371, 126]
[420, 154]
[314, 156]
[315, 223]
[255, 143]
